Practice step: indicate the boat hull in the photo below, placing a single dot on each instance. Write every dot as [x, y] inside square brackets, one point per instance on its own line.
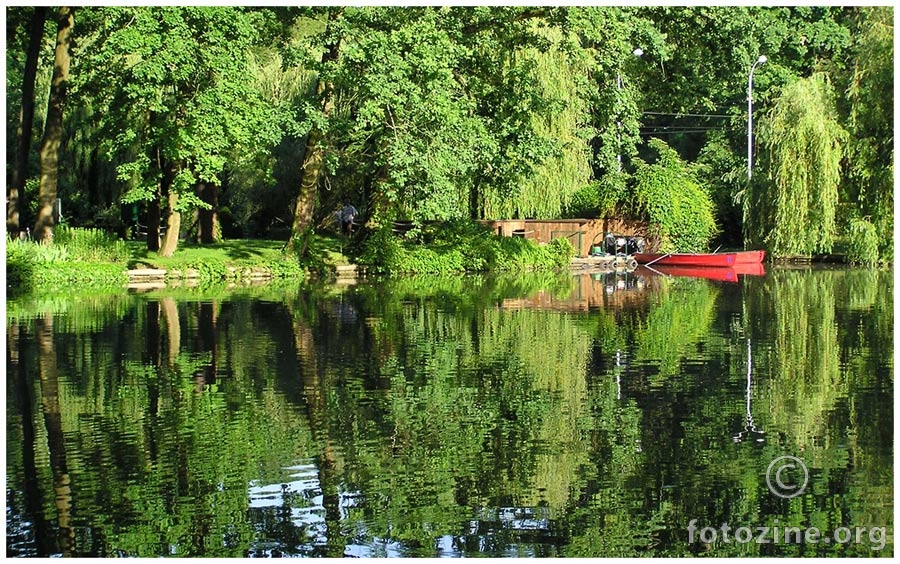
[701, 259]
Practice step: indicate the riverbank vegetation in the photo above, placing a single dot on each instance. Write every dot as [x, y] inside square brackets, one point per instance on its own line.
[95, 258]
[460, 247]
[262, 122]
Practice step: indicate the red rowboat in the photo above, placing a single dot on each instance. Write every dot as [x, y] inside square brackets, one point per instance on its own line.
[700, 259]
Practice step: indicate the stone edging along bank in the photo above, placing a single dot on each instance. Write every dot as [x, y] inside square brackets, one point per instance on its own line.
[149, 278]
[159, 278]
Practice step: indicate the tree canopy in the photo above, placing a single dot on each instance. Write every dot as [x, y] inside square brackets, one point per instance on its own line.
[442, 113]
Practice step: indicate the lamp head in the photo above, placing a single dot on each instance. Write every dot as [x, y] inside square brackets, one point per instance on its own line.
[638, 52]
[762, 59]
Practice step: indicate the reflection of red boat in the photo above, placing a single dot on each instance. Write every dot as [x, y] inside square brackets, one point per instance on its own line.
[723, 273]
[701, 259]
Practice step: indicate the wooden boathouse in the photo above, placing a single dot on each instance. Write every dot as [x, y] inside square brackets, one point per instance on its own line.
[582, 233]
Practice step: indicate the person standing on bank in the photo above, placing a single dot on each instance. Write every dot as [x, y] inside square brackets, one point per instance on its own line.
[348, 214]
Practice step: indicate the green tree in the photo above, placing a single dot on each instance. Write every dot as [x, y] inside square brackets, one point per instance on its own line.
[177, 99]
[695, 83]
[870, 157]
[793, 211]
[668, 196]
[313, 169]
[26, 120]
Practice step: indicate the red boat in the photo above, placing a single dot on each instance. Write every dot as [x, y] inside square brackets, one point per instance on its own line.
[700, 259]
[722, 273]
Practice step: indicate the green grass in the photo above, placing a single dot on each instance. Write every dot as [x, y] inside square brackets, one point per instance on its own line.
[85, 258]
[188, 255]
[238, 253]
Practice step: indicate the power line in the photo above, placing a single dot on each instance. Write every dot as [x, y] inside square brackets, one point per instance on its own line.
[675, 127]
[687, 115]
[676, 132]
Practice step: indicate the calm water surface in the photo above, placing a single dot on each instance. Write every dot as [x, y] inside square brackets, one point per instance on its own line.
[538, 415]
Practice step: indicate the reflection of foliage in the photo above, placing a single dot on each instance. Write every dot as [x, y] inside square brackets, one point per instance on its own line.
[161, 466]
[444, 414]
[825, 379]
[680, 319]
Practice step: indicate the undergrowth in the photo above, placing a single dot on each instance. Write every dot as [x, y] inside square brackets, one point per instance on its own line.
[459, 247]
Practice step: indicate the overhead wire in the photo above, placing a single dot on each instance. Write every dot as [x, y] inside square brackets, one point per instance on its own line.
[687, 115]
[651, 129]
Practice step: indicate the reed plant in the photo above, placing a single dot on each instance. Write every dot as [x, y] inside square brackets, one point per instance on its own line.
[90, 245]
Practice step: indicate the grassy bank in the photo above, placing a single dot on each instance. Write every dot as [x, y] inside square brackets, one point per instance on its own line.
[96, 259]
[91, 257]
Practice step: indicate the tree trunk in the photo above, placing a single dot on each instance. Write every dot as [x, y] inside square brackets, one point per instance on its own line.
[314, 157]
[475, 205]
[153, 222]
[173, 226]
[26, 121]
[317, 409]
[209, 219]
[379, 205]
[43, 227]
[207, 320]
[173, 218]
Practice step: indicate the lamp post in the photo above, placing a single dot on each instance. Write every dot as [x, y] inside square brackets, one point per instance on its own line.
[759, 61]
[638, 52]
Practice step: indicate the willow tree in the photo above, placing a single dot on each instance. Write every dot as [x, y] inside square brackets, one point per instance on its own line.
[565, 167]
[792, 212]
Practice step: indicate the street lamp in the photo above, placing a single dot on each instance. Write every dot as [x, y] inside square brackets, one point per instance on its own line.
[638, 52]
[759, 61]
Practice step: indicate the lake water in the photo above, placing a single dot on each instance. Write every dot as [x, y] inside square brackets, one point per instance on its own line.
[532, 415]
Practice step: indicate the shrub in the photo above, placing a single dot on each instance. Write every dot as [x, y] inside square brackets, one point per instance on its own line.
[90, 245]
[20, 265]
[30, 265]
[460, 247]
[669, 196]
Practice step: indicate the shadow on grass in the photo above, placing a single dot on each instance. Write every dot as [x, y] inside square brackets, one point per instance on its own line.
[324, 250]
[245, 249]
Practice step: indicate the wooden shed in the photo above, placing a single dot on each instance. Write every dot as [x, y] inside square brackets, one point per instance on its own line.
[582, 233]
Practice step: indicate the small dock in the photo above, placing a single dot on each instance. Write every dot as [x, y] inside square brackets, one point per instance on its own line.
[604, 263]
[146, 279]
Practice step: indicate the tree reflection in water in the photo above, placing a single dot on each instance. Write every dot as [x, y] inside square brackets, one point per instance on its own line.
[540, 415]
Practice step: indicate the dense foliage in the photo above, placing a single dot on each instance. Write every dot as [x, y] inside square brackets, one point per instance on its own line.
[678, 209]
[461, 247]
[78, 257]
[222, 114]
[794, 213]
